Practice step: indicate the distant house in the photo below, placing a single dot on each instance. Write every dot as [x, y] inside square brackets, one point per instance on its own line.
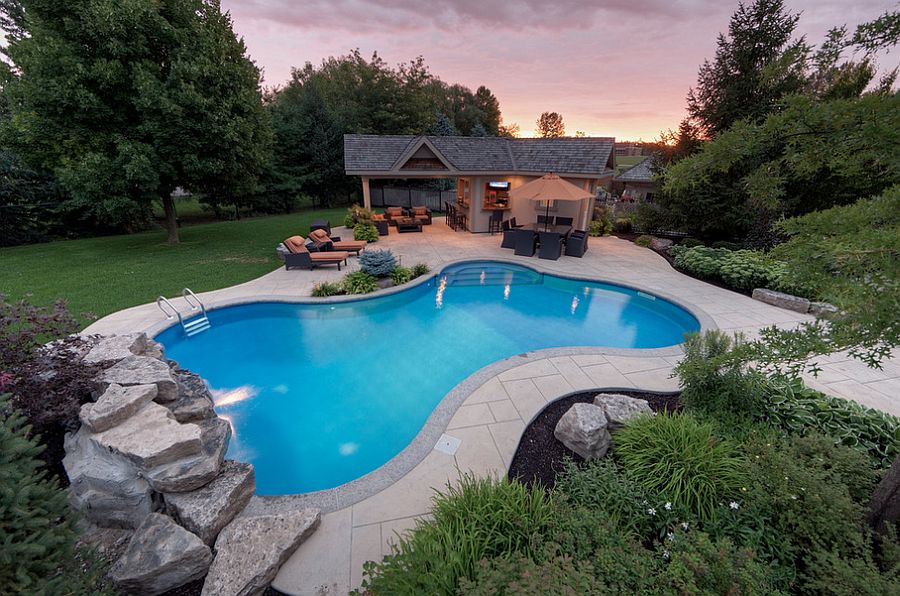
[623, 149]
[637, 182]
[486, 169]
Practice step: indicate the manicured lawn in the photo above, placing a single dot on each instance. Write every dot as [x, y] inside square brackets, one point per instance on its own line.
[623, 162]
[103, 275]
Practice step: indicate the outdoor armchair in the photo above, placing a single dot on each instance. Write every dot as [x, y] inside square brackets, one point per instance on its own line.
[577, 244]
[551, 245]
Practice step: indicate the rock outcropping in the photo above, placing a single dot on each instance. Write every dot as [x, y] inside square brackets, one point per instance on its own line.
[586, 428]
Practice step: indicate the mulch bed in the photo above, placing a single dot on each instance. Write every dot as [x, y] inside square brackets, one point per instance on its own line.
[540, 456]
[194, 588]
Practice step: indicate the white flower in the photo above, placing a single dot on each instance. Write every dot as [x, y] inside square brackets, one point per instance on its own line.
[734, 505]
[685, 525]
[670, 536]
[668, 506]
[651, 511]
[666, 555]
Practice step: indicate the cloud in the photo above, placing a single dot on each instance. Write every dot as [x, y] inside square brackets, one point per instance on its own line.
[407, 15]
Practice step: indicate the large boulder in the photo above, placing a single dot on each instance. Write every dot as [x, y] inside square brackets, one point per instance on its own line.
[160, 556]
[619, 409]
[250, 550]
[207, 510]
[112, 348]
[104, 486]
[142, 370]
[190, 473]
[115, 405]
[583, 429]
[781, 300]
[660, 244]
[152, 437]
[194, 401]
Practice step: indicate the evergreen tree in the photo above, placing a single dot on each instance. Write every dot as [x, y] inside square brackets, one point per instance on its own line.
[756, 65]
[478, 130]
[550, 124]
[489, 107]
[126, 101]
[442, 126]
[37, 553]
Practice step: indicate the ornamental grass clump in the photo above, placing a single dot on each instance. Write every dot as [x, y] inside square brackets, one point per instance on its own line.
[359, 282]
[379, 263]
[683, 460]
[479, 518]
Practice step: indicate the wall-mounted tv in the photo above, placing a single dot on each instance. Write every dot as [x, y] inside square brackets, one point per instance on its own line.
[498, 185]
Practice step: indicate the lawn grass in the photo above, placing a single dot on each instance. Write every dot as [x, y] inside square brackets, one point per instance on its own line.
[623, 162]
[106, 274]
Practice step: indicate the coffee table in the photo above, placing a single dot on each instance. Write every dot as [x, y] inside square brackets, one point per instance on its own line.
[408, 224]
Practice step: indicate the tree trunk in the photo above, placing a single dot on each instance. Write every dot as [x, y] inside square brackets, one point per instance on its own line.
[884, 508]
[171, 217]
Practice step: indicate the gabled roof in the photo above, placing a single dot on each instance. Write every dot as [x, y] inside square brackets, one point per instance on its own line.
[639, 172]
[386, 154]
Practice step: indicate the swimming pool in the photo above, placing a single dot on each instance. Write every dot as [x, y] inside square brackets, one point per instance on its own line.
[321, 394]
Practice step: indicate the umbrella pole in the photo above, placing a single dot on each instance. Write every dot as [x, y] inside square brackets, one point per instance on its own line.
[547, 217]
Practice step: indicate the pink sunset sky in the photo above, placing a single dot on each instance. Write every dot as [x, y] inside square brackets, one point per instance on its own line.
[616, 68]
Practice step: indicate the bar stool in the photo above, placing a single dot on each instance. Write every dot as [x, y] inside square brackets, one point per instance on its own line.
[495, 221]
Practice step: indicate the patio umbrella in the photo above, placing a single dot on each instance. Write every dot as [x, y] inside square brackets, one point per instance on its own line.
[549, 187]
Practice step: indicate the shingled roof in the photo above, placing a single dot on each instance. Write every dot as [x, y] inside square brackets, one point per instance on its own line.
[377, 154]
[639, 172]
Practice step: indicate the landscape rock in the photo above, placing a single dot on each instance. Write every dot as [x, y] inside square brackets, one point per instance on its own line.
[191, 473]
[619, 409]
[660, 244]
[160, 556]
[142, 370]
[822, 309]
[250, 550]
[207, 510]
[113, 348]
[583, 429]
[194, 402]
[152, 437]
[115, 405]
[781, 300]
[104, 486]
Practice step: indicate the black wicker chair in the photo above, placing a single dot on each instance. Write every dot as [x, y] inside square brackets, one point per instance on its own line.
[551, 245]
[509, 239]
[577, 244]
[526, 240]
[564, 221]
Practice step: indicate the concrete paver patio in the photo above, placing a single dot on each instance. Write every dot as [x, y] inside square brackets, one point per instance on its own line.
[491, 419]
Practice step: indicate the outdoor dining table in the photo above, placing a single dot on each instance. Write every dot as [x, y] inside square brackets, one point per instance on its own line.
[539, 227]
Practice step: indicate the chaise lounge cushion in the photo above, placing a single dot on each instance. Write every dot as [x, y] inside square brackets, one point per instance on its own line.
[322, 237]
[297, 245]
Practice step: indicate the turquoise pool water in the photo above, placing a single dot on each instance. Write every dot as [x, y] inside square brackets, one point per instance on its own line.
[321, 394]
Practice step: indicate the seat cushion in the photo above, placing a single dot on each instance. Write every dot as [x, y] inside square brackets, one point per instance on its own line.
[350, 245]
[395, 211]
[319, 236]
[332, 256]
[420, 210]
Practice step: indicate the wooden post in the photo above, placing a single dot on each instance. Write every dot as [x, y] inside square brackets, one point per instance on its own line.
[367, 197]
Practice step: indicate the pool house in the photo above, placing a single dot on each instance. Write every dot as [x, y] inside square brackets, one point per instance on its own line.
[486, 169]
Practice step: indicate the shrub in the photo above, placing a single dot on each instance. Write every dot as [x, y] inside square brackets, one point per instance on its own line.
[327, 288]
[401, 275]
[379, 263]
[690, 243]
[357, 215]
[359, 282]
[24, 327]
[420, 269]
[601, 485]
[600, 227]
[796, 408]
[712, 388]
[516, 574]
[746, 269]
[724, 244]
[682, 460]
[700, 565]
[701, 261]
[365, 231]
[477, 519]
[37, 552]
[644, 241]
[833, 574]
[623, 225]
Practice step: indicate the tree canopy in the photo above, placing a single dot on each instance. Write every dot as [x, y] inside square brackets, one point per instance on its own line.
[126, 101]
[550, 124]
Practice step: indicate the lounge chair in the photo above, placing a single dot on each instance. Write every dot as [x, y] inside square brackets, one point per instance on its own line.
[551, 245]
[329, 243]
[525, 242]
[394, 213]
[577, 244]
[422, 214]
[300, 256]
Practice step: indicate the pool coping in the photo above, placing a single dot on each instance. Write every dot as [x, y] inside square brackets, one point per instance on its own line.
[423, 443]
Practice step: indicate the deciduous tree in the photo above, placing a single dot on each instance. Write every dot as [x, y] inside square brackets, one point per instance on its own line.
[550, 124]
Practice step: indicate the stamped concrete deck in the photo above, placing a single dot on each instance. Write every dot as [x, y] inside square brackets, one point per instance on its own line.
[490, 420]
